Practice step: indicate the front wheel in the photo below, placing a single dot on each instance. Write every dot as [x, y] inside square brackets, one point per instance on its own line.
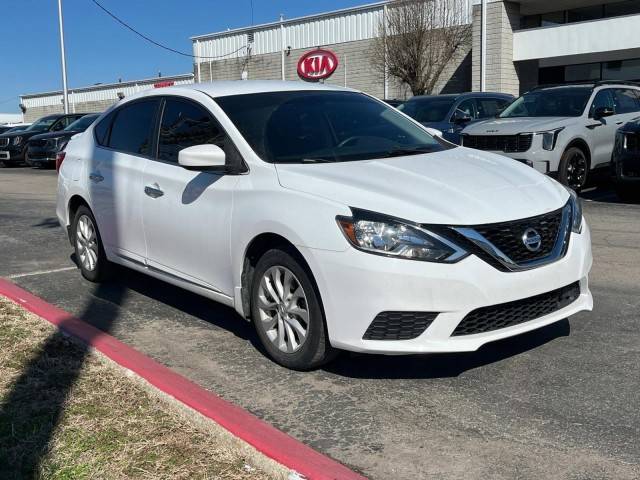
[287, 313]
[90, 255]
[573, 169]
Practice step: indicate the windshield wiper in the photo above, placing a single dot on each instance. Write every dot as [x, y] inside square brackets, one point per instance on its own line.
[316, 160]
[399, 152]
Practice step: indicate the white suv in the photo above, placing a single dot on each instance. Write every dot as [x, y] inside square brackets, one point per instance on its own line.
[564, 130]
[328, 218]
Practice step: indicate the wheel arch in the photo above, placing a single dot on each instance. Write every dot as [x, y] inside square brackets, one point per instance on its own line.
[582, 144]
[254, 250]
[73, 204]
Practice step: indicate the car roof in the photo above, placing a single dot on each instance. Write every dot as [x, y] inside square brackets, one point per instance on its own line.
[224, 88]
[456, 96]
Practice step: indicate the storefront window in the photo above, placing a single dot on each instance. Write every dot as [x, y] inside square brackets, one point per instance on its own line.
[594, 12]
[621, 70]
[584, 72]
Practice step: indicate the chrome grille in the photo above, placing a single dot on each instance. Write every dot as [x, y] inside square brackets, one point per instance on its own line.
[4, 142]
[502, 244]
[499, 143]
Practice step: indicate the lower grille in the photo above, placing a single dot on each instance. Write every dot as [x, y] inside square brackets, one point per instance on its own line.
[495, 317]
[499, 143]
[399, 325]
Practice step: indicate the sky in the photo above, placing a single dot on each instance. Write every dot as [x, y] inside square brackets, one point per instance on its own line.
[99, 50]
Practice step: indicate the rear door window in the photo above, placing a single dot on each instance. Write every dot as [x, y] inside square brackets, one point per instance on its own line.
[132, 128]
[626, 101]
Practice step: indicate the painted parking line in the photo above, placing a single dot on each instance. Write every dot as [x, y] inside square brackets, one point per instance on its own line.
[267, 439]
[41, 272]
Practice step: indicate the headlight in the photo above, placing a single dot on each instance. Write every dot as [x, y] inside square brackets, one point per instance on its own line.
[576, 211]
[550, 138]
[382, 235]
[17, 140]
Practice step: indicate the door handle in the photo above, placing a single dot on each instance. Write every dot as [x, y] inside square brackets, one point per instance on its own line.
[96, 177]
[619, 123]
[153, 191]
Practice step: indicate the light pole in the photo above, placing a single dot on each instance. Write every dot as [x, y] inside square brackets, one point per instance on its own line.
[65, 93]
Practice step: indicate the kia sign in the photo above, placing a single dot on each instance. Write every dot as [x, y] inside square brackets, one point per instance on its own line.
[317, 65]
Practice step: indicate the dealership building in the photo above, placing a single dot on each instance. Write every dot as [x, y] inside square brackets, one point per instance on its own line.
[515, 45]
[526, 42]
[94, 98]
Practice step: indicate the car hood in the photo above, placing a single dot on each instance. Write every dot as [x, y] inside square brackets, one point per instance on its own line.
[511, 126]
[458, 186]
[58, 134]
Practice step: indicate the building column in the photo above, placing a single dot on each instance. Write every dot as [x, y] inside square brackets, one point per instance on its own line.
[502, 19]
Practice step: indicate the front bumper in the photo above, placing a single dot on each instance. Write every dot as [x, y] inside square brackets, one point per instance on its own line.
[626, 167]
[41, 156]
[356, 286]
[11, 153]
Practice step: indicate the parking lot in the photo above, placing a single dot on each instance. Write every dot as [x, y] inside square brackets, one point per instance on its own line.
[560, 402]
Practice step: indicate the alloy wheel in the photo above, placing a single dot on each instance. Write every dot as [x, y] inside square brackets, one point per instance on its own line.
[283, 309]
[87, 243]
[576, 170]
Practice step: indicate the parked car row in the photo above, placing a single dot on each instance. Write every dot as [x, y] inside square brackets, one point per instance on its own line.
[38, 143]
[566, 131]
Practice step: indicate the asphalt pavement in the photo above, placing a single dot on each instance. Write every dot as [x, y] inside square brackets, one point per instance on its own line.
[562, 402]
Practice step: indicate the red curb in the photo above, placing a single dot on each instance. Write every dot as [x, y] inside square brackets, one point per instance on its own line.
[267, 439]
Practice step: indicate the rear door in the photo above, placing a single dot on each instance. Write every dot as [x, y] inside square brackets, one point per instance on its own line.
[125, 143]
[187, 214]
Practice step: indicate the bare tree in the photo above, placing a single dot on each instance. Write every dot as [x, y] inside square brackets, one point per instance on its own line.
[419, 38]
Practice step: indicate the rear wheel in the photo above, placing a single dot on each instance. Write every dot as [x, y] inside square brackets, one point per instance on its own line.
[287, 313]
[90, 254]
[573, 169]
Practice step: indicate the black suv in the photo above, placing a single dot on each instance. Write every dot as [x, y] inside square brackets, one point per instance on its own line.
[625, 161]
[42, 148]
[13, 145]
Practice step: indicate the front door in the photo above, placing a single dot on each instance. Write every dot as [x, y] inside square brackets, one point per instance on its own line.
[187, 214]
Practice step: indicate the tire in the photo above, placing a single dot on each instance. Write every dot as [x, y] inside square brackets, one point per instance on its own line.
[87, 243]
[628, 193]
[280, 314]
[574, 168]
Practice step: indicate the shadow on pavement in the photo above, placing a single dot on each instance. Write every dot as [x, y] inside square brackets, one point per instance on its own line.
[36, 401]
[446, 364]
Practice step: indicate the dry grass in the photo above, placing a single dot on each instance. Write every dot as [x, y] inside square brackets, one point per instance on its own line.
[67, 413]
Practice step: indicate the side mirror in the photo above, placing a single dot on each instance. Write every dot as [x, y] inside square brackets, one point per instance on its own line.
[202, 157]
[602, 112]
[460, 117]
[434, 132]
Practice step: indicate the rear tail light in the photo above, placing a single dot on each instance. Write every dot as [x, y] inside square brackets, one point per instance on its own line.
[59, 159]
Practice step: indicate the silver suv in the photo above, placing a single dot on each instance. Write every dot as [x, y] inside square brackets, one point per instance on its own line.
[566, 131]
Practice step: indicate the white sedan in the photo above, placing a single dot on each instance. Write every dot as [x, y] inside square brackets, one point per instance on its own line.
[329, 219]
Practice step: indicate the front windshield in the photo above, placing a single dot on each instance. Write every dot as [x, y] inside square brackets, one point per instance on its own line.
[428, 110]
[324, 126]
[82, 123]
[558, 102]
[42, 124]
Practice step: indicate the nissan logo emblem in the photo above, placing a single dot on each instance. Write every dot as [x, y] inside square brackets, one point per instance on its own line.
[532, 240]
